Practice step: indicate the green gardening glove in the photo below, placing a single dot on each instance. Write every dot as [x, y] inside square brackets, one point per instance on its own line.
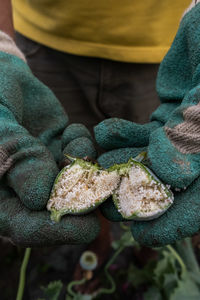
[182, 219]
[33, 130]
[29, 228]
[77, 142]
[174, 148]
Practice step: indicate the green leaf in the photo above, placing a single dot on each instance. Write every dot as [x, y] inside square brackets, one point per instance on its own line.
[52, 291]
[153, 293]
[169, 284]
[166, 273]
[166, 265]
[187, 253]
[141, 276]
[195, 276]
[186, 289]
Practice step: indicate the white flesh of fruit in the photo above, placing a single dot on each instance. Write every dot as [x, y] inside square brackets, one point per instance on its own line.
[79, 189]
[140, 196]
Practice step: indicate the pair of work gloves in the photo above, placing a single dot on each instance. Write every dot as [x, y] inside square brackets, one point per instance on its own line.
[171, 139]
[34, 132]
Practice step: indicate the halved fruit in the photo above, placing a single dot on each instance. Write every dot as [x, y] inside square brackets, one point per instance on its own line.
[140, 194]
[80, 188]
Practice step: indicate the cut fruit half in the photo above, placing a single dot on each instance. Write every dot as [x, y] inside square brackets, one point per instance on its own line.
[81, 187]
[140, 194]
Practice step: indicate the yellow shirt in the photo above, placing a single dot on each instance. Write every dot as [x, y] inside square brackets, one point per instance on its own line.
[122, 30]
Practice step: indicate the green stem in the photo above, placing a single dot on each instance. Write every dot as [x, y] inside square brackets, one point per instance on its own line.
[179, 259]
[141, 156]
[109, 277]
[22, 277]
[72, 284]
[186, 251]
[55, 215]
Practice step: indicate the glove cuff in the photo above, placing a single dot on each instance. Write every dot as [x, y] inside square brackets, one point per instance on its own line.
[8, 45]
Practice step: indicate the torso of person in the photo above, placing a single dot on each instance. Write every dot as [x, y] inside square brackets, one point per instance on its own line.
[128, 31]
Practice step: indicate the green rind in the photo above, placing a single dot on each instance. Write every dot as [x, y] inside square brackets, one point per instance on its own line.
[84, 164]
[152, 176]
[135, 216]
[141, 156]
[126, 168]
[56, 215]
[123, 170]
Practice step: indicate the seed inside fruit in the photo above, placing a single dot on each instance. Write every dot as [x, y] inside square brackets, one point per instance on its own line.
[141, 195]
[81, 188]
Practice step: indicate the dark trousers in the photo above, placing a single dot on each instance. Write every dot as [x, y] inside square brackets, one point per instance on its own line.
[92, 89]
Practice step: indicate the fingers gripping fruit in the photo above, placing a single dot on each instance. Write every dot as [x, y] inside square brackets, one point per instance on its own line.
[82, 186]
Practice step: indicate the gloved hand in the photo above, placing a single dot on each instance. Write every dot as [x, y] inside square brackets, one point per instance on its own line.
[32, 122]
[182, 219]
[28, 228]
[174, 147]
